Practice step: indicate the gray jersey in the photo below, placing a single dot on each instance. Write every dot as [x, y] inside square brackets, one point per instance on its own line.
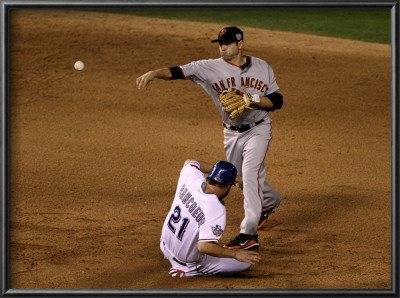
[215, 75]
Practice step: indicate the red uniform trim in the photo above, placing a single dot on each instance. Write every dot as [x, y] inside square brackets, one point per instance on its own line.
[183, 74]
[259, 168]
[233, 64]
[238, 65]
[192, 164]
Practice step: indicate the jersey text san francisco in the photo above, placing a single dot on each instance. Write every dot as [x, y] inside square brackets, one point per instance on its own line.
[245, 82]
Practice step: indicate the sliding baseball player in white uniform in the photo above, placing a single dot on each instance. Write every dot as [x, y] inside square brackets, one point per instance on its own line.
[246, 138]
[196, 221]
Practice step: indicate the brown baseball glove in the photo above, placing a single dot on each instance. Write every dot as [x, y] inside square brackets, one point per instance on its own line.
[235, 102]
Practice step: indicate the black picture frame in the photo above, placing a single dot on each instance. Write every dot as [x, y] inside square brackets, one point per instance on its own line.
[7, 6]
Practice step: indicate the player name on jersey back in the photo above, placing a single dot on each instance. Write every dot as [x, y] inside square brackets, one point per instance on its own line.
[191, 205]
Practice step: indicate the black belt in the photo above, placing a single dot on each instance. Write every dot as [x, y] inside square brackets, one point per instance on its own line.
[243, 128]
[179, 262]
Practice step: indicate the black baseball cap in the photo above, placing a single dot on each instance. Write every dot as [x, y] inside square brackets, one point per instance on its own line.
[229, 34]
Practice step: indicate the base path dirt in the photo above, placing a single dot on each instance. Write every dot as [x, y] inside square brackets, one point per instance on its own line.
[94, 162]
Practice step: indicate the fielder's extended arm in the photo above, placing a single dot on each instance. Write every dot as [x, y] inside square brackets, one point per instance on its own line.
[270, 102]
[144, 80]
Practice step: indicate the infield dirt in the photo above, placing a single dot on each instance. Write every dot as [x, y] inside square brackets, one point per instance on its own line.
[94, 162]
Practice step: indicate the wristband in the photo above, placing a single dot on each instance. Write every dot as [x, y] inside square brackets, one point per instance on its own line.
[255, 98]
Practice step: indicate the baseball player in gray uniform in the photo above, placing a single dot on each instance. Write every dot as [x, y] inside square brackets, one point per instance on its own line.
[196, 222]
[246, 138]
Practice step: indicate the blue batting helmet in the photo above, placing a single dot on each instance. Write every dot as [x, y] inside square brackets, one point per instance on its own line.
[223, 172]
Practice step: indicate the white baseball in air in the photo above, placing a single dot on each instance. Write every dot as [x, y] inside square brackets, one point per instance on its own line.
[79, 65]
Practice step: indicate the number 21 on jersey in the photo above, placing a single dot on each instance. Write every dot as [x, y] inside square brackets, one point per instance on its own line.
[175, 219]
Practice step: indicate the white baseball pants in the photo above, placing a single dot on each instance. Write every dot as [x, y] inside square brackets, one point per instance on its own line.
[207, 265]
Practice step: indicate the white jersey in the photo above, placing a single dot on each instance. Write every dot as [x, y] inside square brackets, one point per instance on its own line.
[215, 75]
[194, 216]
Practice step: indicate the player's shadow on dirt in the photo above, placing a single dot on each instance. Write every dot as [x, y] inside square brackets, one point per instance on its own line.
[317, 208]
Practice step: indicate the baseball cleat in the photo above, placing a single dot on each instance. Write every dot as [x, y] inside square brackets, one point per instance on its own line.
[176, 272]
[264, 217]
[243, 241]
